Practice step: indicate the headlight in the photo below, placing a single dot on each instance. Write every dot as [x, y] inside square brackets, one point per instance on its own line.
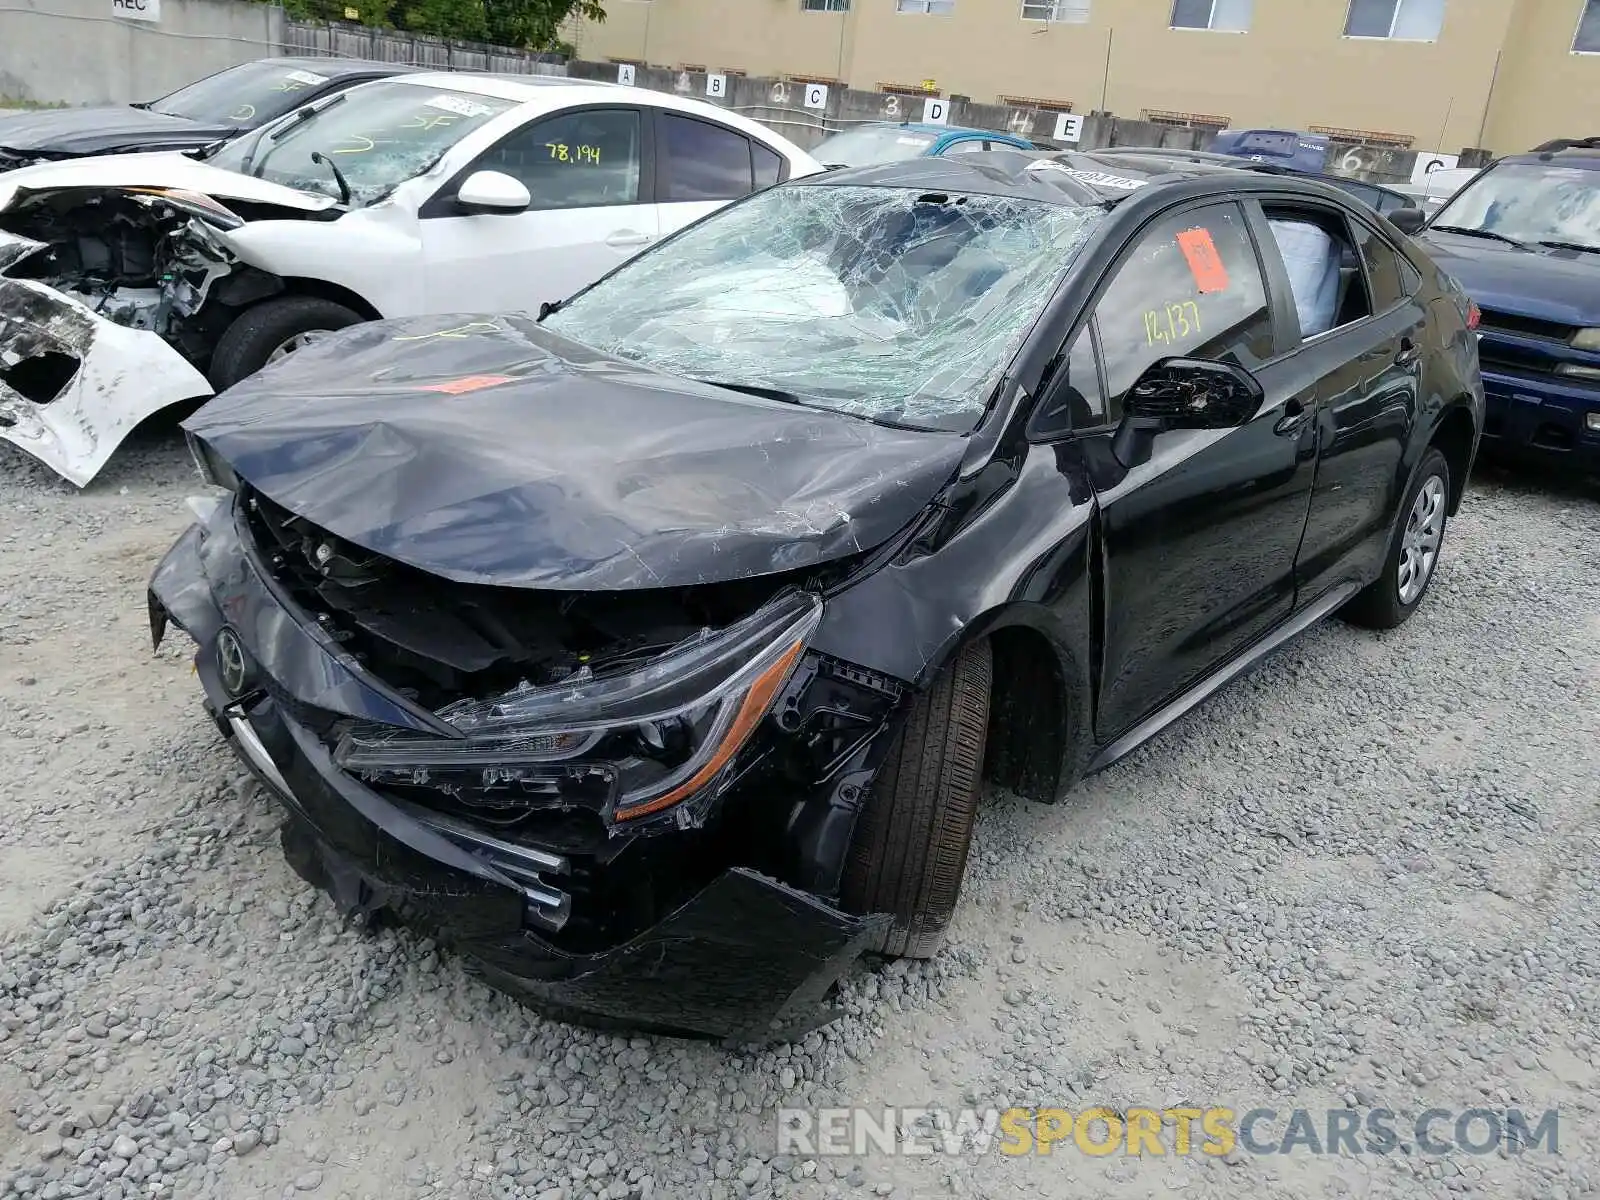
[212, 469]
[1587, 339]
[630, 744]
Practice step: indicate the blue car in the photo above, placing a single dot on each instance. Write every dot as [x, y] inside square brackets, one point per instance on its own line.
[885, 141]
[1523, 239]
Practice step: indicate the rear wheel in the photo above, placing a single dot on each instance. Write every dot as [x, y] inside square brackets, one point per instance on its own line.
[1414, 549]
[271, 330]
[909, 851]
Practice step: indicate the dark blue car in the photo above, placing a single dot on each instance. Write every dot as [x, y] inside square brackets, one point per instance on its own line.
[886, 141]
[1523, 238]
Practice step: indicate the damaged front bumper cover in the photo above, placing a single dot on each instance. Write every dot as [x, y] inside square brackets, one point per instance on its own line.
[73, 384]
[746, 957]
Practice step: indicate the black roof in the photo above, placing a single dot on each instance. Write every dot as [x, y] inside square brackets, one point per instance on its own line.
[1075, 178]
[1569, 152]
[343, 68]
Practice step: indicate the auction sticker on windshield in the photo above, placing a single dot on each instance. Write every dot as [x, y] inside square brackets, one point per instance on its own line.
[1098, 178]
[459, 105]
[293, 81]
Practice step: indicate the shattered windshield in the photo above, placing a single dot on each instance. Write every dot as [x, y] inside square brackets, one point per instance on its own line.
[887, 303]
[863, 147]
[379, 135]
[1529, 203]
[248, 94]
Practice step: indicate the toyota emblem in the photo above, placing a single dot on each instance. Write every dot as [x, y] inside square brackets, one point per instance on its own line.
[231, 662]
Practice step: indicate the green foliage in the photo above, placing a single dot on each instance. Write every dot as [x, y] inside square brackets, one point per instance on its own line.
[524, 24]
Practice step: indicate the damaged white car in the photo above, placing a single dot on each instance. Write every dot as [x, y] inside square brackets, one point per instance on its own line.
[134, 282]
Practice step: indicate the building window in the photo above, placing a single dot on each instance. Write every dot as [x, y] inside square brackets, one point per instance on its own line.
[1055, 106]
[1588, 39]
[824, 5]
[925, 6]
[1181, 120]
[1366, 137]
[1224, 16]
[1402, 20]
[1066, 12]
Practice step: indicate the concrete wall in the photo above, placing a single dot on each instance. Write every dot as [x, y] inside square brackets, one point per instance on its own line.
[76, 52]
[780, 104]
[1292, 69]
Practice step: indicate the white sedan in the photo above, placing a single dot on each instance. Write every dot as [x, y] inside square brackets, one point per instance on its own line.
[132, 282]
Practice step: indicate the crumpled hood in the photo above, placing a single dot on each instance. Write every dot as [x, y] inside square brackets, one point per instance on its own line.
[580, 472]
[103, 129]
[1552, 285]
[162, 169]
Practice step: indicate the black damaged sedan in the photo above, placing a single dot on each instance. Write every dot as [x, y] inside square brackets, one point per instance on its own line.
[653, 650]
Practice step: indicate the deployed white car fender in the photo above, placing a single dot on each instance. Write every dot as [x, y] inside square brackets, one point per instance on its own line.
[124, 375]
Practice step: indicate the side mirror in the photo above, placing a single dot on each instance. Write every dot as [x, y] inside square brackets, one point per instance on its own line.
[493, 191]
[1408, 220]
[1184, 393]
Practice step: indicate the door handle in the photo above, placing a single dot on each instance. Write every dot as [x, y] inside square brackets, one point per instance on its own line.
[1295, 416]
[627, 237]
[1409, 353]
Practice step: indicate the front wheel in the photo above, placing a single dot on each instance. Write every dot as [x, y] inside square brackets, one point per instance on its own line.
[272, 329]
[1414, 548]
[909, 850]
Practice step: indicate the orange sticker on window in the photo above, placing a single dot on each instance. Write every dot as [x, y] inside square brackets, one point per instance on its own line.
[1205, 264]
[467, 383]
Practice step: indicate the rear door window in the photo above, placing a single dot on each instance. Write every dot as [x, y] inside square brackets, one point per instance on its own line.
[702, 161]
[1386, 270]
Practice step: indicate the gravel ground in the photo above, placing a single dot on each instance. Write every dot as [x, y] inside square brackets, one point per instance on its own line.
[1365, 875]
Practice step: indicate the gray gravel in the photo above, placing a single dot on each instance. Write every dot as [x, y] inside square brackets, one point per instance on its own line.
[1365, 875]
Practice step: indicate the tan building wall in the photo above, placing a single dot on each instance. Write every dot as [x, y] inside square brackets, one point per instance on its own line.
[1501, 70]
[1544, 90]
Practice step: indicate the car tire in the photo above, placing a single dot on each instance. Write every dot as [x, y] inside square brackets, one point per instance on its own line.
[1390, 600]
[258, 332]
[909, 849]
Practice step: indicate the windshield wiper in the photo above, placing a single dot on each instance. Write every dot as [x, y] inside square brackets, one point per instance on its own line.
[321, 159]
[1481, 233]
[300, 118]
[1559, 245]
[201, 153]
[751, 389]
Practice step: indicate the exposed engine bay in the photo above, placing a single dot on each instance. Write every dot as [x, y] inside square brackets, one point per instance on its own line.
[145, 261]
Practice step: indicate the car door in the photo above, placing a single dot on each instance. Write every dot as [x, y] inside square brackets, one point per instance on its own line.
[1198, 540]
[1364, 362]
[702, 165]
[586, 169]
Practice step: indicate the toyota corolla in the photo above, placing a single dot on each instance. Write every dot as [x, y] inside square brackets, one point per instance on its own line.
[655, 648]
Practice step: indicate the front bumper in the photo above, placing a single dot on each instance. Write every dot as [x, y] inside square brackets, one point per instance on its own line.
[123, 376]
[747, 957]
[1541, 419]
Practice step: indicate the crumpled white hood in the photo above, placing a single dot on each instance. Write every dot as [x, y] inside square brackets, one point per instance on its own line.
[162, 169]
